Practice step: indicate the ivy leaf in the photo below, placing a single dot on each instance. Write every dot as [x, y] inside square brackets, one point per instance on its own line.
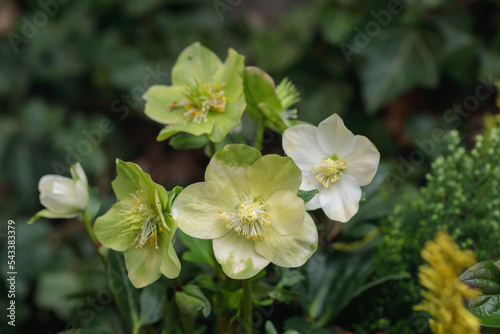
[397, 60]
[200, 250]
[486, 277]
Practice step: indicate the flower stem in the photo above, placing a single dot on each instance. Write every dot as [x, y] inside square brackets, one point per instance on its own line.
[90, 230]
[259, 134]
[246, 309]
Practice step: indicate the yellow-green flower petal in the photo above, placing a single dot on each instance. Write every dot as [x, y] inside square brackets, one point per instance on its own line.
[238, 257]
[197, 209]
[189, 127]
[196, 63]
[143, 266]
[229, 166]
[159, 99]
[286, 212]
[272, 173]
[230, 74]
[109, 233]
[292, 250]
[228, 120]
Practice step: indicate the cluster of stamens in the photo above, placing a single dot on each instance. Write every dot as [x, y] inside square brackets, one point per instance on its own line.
[140, 220]
[200, 100]
[249, 218]
[329, 171]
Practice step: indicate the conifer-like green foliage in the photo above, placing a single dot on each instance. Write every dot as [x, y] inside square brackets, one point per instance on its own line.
[462, 197]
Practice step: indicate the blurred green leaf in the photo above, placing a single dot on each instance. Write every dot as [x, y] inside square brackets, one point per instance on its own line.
[54, 290]
[153, 300]
[396, 61]
[200, 250]
[186, 141]
[126, 296]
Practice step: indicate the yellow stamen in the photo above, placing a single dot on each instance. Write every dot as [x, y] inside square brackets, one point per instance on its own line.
[329, 171]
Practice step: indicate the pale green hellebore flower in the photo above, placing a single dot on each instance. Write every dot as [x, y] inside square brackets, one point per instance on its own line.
[206, 95]
[249, 207]
[139, 225]
[61, 196]
[335, 162]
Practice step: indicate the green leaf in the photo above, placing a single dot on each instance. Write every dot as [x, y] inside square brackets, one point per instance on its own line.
[153, 301]
[126, 296]
[270, 329]
[396, 61]
[200, 250]
[185, 141]
[307, 195]
[191, 300]
[486, 277]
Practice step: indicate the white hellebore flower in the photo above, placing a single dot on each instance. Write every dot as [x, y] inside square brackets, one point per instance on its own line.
[64, 197]
[335, 162]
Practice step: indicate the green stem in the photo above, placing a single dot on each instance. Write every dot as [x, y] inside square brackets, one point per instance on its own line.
[187, 326]
[136, 329]
[259, 134]
[246, 309]
[90, 230]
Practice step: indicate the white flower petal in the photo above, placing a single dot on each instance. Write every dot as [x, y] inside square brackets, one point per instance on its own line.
[335, 138]
[78, 174]
[64, 186]
[314, 203]
[238, 257]
[341, 201]
[82, 195]
[46, 183]
[197, 209]
[309, 181]
[363, 162]
[301, 144]
[292, 250]
[60, 204]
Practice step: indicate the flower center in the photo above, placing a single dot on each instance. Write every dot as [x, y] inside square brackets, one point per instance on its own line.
[140, 220]
[329, 171]
[249, 218]
[200, 100]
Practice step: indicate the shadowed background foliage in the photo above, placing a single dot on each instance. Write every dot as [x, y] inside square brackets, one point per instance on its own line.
[72, 74]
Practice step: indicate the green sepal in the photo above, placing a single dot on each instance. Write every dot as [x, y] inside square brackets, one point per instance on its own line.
[191, 300]
[185, 141]
[485, 276]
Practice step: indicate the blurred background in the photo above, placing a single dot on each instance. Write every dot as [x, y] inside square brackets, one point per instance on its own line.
[72, 74]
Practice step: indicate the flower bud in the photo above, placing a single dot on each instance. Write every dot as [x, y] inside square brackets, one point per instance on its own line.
[64, 197]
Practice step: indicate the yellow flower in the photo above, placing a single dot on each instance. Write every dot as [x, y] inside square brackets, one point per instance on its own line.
[445, 292]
